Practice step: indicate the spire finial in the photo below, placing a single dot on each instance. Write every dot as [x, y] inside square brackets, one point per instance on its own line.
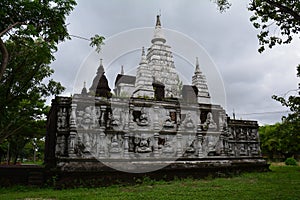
[197, 65]
[84, 91]
[84, 84]
[122, 70]
[158, 20]
[143, 59]
[100, 68]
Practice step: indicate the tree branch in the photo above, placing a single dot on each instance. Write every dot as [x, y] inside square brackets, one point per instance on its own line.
[284, 9]
[5, 56]
[10, 27]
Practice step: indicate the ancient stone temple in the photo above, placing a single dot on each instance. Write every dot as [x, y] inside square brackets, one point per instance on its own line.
[150, 122]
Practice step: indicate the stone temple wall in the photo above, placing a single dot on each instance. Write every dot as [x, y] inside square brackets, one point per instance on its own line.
[86, 129]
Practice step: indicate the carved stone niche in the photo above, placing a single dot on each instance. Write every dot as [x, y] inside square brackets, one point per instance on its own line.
[211, 142]
[188, 122]
[190, 146]
[141, 117]
[115, 147]
[254, 149]
[88, 117]
[168, 148]
[231, 148]
[62, 119]
[143, 145]
[209, 123]
[170, 120]
[243, 149]
[252, 134]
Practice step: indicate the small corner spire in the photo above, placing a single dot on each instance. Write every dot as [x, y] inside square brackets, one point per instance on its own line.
[122, 69]
[84, 90]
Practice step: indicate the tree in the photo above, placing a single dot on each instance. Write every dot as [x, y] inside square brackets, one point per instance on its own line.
[280, 139]
[31, 19]
[277, 20]
[29, 33]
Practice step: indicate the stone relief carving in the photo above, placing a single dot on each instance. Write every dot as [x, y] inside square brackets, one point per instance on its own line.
[210, 124]
[127, 133]
[168, 123]
[188, 122]
[142, 144]
[143, 119]
[88, 119]
[190, 145]
[115, 145]
[168, 147]
[62, 119]
[60, 145]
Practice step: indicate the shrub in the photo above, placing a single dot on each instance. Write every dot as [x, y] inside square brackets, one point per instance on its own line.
[290, 161]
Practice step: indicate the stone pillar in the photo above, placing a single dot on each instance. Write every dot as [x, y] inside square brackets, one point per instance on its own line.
[131, 122]
[179, 145]
[73, 131]
[102, 143]
[222, 146]
[126, 146]
[102, 118]
[200, 149]
[155, 145]
[156, 122]
[178, 118]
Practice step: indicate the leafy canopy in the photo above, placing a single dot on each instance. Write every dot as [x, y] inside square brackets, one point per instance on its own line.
[31, 20]
[29, 33]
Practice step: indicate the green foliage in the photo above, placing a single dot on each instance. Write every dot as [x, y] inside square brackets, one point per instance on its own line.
[293, 103]
[291, 161]
[28, 21]
[97, 41]
[281, 139]
[278, 21]
[223, 5]
[29, 35]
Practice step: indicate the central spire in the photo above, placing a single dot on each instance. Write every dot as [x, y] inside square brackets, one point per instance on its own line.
[158, 33]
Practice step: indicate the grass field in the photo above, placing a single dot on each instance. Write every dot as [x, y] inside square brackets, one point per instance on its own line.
[282, 183]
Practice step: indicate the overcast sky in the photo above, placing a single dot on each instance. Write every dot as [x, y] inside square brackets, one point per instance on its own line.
[250, 78]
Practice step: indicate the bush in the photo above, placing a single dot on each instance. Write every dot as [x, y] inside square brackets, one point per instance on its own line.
[290, 161]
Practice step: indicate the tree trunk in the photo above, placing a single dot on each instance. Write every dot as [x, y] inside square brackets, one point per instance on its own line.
[4, 60]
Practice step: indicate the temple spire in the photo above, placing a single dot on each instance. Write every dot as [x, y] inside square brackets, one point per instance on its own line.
[199, 80]
[143, 82]
[100, 73]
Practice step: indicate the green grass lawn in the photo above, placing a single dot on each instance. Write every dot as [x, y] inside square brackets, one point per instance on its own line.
[282, 183]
